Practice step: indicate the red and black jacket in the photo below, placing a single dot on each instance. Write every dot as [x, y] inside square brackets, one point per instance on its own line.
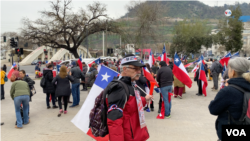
[123, 121]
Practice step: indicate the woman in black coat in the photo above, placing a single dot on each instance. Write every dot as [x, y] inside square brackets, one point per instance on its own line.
[49, 88]
[196, 78]
[230, 99]
[61, 82]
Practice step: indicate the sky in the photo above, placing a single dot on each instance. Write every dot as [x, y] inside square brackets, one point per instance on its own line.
[12, 11]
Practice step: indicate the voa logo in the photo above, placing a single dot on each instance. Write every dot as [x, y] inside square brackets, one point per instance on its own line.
[236, 132]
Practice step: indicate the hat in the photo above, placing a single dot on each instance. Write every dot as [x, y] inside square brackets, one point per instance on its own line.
[130, 59]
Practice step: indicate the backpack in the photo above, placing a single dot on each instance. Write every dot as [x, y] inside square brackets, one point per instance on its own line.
[98, 115]
[219, 67]
[245, 116]
[5, 78]
[43, 82]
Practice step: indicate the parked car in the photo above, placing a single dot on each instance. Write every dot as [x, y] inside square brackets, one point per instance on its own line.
[37, 61]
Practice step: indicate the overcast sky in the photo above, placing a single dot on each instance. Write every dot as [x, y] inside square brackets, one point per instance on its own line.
[13, 11]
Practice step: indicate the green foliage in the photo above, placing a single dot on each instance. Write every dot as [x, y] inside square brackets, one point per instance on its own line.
[230, 33]
[189, 36]
[189, 9]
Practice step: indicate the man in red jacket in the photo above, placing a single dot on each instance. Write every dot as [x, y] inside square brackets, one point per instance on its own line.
[126, 121]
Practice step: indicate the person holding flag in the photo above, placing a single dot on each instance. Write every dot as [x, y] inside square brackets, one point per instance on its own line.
[203, 79]
[125, 117]
[165, 80]
[196, 78]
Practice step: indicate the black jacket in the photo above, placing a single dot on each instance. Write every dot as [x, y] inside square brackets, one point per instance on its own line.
[154, 69]
[231, 99]
[62, 85]
[49, 87]
[84, 69]
[77, 74]
[30, 82]
[141, 83]
[197, 75]
[171, 65]
[165, 76]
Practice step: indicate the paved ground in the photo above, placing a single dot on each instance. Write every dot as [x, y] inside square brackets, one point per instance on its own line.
[190, 120]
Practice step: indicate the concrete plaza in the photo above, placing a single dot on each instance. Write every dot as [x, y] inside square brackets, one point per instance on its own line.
[190, 119]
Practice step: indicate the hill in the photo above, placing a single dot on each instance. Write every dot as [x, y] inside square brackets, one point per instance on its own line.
[189, 9]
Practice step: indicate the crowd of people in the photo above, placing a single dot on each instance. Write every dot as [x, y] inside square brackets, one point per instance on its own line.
[228, 100]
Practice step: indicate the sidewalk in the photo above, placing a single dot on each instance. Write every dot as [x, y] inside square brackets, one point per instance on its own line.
[190, 119]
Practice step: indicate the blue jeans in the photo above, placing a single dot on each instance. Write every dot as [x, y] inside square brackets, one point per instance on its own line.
[23, 99]
[164, 92]
[76, 93]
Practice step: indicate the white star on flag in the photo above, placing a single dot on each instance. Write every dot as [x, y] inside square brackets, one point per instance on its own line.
[176, 60]
[105, 77]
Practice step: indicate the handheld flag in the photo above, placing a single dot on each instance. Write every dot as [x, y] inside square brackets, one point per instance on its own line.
[97, 61]
[80, 62]
[162, 113]
[225, 59]
[180, 72]
[237, 54]
[81, 119]
[203, 78]
[151, 59]
[149, 76]
[11, 70]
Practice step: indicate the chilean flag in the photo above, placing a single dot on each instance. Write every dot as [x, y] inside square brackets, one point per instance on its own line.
[162, 113]
[223, 71]
[237, 54]
[189, 64]
[151, 59]
[97, 61]
[180, 72]
[225, 59]
[11, 70]
[195, 69]
[149, 76]
[163, 56]
[81, 119]
[203, 78]
[80, 62]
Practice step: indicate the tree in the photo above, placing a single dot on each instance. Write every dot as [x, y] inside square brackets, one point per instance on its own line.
[144, 27]
[62, 28]
[230, 34]
[189, 36]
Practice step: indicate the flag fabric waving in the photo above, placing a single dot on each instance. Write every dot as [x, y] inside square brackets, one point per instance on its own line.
[97, 61]
[203, 78]
[81, 119]
[11, 70]
[151, 59]
[222, 80]
[180, 72]
[162, 113]
[225, 59]
[237, 54]
[189, 64]
[149, 76]
[80, 62]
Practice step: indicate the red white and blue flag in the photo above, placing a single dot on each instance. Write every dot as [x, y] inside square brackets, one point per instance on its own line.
[149, 76]
[203, 78]
[151, 59]
[81, 119]
[80, 62]
[180, 72]
[11, 70]
[225, 59]
[222, 80]
[96, 61]
[237, 54]
[163, 56]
